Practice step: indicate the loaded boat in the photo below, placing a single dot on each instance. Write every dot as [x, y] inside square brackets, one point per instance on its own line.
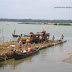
[18, 55]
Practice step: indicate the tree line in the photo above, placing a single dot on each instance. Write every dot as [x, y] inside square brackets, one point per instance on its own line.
[36, 20]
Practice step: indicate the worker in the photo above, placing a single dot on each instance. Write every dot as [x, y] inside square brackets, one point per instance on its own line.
[20, 44]
[53, 38]
[21, 35]
[14, 31]
[27, 42]
[47, 38]
[18, 39]
[62, 37]
[12, 47]
[40, 39]
[29, 49]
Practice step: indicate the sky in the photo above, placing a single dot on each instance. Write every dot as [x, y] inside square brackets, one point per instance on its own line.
[36, 9]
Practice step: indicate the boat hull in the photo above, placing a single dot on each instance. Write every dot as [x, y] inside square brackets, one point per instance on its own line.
[21, 56]
[15, 35]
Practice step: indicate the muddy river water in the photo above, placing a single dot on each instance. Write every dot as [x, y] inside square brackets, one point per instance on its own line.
[51, 59]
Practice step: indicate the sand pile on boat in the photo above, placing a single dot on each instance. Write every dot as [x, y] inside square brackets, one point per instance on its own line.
[6, 53]
[5, 47]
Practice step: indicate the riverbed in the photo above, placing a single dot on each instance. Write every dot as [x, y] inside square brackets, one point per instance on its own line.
[51, 59]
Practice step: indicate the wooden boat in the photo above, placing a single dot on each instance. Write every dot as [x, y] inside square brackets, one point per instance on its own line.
[14, 35]
[18, 55]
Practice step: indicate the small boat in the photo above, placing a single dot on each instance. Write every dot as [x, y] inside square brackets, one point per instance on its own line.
[14, 35]
[18, 55]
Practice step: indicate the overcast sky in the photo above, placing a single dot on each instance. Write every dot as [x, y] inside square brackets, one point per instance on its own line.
[36, 9]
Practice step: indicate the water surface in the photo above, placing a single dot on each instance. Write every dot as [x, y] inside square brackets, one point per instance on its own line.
[52, 59]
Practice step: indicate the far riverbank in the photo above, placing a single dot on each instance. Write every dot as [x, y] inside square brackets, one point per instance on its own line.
[64, 24]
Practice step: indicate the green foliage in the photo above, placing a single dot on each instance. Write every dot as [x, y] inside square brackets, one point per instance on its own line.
[63, 24]
[27, 23]
[55, 24]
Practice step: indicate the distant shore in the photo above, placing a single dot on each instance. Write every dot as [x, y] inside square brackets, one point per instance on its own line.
[36, 20]
[65, 24]
[33, 23]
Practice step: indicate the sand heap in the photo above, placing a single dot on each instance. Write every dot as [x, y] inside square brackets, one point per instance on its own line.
[6, 53]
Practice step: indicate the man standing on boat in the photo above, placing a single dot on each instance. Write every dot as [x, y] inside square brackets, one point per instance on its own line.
[53, 38]
[20, 44]
[18, 39]
[27, 41]
[62, 37]
[40, 39]
[14, 31]
[21, 35]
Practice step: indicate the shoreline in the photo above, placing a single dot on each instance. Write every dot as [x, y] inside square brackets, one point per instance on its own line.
[59, 24]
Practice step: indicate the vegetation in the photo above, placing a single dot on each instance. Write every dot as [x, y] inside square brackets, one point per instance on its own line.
[63, 24]
[27, 23]
[36, 20]
[32, 23]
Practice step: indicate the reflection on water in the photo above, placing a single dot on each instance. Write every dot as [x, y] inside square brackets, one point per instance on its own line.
[13, 63]
[44, 61]
[61, 47]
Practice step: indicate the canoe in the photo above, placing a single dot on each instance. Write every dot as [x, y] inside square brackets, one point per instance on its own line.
[14, 35]
[18, 55]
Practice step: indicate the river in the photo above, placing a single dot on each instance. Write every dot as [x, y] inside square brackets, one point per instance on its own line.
[51, 59]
